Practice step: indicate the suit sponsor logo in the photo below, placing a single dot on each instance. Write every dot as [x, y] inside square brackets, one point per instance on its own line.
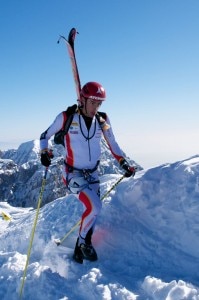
[74, 124]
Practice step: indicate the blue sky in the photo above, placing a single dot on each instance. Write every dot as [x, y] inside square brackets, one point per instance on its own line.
[144, 52]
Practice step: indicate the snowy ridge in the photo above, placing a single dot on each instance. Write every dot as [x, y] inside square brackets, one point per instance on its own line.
[146, 238]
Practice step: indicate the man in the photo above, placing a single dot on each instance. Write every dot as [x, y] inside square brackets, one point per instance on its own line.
[82, 146]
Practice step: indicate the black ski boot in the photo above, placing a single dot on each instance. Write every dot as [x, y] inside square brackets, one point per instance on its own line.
[88, 252]
[78, 255]
[84, 251]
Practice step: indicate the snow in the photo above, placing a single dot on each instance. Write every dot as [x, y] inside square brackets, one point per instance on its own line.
[146, 239]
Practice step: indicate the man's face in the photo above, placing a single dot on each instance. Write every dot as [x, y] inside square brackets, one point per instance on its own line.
[90, 107]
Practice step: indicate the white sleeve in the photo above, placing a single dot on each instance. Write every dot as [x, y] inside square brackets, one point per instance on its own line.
[52, 129]
[112, 143]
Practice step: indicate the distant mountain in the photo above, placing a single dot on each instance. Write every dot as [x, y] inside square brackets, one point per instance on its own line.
[21, 173]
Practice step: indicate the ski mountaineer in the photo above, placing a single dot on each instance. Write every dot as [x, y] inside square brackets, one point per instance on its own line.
[82, 148]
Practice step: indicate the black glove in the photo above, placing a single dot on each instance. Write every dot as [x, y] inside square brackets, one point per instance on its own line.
[46, 157]
[129, 171]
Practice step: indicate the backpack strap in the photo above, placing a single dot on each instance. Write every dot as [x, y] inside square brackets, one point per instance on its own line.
[59, 136]
[101, 118]
[71, 110]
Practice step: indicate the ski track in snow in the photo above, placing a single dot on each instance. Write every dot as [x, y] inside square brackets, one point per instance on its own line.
[146, 238]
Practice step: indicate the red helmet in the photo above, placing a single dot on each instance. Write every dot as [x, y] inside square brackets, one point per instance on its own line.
[93, 90]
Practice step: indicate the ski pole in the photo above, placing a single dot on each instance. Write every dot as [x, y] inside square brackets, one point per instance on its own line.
[59, 242]
[33, 230]
[113, 186]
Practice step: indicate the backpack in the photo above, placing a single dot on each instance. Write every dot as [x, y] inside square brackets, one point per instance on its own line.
[71, 110]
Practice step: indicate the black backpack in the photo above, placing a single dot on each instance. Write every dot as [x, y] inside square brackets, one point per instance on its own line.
[71, 110]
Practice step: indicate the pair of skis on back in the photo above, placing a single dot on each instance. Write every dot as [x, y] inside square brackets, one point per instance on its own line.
[71, 51]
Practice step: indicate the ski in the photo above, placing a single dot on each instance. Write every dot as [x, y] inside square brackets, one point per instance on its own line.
[71, 51]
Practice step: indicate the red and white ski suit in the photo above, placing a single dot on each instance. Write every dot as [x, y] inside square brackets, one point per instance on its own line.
[82, 152]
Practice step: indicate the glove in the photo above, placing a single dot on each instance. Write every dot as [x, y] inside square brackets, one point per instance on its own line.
[46, 157]
[129, 171]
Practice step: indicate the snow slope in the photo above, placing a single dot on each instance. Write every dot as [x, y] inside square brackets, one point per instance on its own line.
[146, 238]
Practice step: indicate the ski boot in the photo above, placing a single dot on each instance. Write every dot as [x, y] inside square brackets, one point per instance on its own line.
[78, 255]
[84, 251]
[88, 252]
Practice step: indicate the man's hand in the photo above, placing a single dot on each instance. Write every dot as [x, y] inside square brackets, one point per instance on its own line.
[129, 170]
[46, 156]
